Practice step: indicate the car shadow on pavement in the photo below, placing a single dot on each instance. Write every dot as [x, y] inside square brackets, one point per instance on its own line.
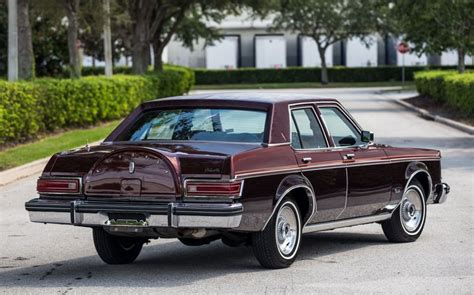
[173, 264]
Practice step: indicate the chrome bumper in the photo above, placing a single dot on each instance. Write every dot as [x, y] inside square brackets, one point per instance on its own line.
[441, 193]
[176, 215]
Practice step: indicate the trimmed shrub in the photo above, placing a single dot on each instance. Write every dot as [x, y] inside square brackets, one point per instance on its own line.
[27, 108]
[431, 83]
[460, 92]
[455, 89]
[299, 74]
[18, 118]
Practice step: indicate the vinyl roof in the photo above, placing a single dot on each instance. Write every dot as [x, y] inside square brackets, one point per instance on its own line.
[261, 97]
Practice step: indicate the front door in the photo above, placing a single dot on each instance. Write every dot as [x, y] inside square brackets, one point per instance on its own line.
[368, 171]
[322, 166]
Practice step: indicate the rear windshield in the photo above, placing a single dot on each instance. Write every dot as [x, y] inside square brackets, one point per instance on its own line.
[206, 124]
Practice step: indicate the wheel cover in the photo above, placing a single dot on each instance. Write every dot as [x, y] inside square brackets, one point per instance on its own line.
[287, 230]
[412, 210]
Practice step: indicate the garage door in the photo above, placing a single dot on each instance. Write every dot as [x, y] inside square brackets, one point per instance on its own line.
[223, 54]
[270, 52]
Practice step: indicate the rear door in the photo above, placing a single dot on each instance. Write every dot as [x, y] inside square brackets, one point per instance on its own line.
[322, 166]
[368, 171]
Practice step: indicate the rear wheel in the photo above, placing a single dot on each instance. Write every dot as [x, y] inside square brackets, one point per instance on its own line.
[114, 249]
[408, 220]
[277, 245]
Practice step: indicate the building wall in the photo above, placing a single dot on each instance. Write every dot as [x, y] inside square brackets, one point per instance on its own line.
[384, 54]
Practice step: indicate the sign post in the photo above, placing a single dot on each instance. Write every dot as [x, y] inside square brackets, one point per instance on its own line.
[403, 49]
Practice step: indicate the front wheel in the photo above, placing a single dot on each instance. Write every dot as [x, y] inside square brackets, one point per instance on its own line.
[277, 245]
[114, 249]
[408, 219]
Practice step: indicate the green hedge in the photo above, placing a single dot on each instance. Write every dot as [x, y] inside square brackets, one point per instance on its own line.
[299, 74]
[45, 105]
[455, 89]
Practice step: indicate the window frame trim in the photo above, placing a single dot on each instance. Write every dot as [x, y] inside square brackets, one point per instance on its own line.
[349, 118]
[311, 106]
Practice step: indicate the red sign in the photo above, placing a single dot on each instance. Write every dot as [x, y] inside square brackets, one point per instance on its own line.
[403, 48]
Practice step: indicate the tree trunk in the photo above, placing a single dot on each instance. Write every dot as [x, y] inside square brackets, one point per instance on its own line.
[139, 54]
[72, 9]
[157, 53]
[107, 40]
[461, 65]
[141, 47]
[324, 68]
[12, 41]
[25, 46]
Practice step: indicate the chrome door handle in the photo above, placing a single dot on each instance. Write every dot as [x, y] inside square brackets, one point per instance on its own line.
[306, 159]
[349, 156]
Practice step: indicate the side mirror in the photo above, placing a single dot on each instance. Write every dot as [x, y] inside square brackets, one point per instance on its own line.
[367, 136]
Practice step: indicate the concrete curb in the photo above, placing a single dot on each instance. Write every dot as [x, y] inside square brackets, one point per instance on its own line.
[427, 115]
[10, 175]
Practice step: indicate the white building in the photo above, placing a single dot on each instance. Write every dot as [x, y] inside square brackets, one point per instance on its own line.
[248, 42]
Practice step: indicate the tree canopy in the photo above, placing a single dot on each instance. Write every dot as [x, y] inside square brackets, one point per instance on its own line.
[326, 21]
[434, 26]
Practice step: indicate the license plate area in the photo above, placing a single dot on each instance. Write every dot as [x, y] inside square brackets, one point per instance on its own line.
[127, 220]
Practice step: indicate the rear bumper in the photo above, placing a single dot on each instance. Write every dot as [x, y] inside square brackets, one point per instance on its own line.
[441, 193]
[176, 215]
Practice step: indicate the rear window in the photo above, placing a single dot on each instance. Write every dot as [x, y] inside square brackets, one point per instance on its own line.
[205, 124]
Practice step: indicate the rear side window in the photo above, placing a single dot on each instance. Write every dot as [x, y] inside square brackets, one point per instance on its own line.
[306, 132]
[203, 124]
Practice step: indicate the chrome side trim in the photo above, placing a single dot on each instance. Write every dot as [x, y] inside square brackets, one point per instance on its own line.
[297, 169]
[346, 223]
[275, 144]
[287, 191]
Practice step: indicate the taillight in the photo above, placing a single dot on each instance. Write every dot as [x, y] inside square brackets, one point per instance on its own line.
[228, 189]
[62, 185]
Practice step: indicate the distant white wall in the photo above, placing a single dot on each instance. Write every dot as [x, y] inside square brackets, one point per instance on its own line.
[223, 54]
[87, 61]
[310, 55]
[359, 55]
[177, 54]
[450, 58]
[270, 51]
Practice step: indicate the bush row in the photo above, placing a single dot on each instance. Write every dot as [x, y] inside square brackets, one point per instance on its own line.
[299, 74]
[45, 105]
[448, 86]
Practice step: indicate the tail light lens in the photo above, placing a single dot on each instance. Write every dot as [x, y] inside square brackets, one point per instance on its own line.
[62, 185]
[227, 189]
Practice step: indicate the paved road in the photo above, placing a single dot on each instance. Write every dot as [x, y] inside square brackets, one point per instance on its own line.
[61, 259]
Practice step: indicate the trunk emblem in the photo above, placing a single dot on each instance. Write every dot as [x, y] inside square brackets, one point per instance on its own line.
[131, 167]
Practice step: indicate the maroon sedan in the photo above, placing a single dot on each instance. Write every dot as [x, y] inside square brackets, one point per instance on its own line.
[249, 169]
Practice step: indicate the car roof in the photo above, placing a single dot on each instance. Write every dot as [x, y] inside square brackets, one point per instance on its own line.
[257, 97]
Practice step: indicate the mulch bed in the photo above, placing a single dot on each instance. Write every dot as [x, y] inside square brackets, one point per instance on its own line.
[440, 108]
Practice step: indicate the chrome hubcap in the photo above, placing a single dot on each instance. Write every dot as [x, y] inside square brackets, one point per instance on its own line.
[412, 210]
[286, 230]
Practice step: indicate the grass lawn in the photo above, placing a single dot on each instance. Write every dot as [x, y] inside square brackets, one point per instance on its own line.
[49, 145]
[408, 85]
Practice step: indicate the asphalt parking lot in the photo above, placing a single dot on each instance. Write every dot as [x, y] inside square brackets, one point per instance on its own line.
[36, 258]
